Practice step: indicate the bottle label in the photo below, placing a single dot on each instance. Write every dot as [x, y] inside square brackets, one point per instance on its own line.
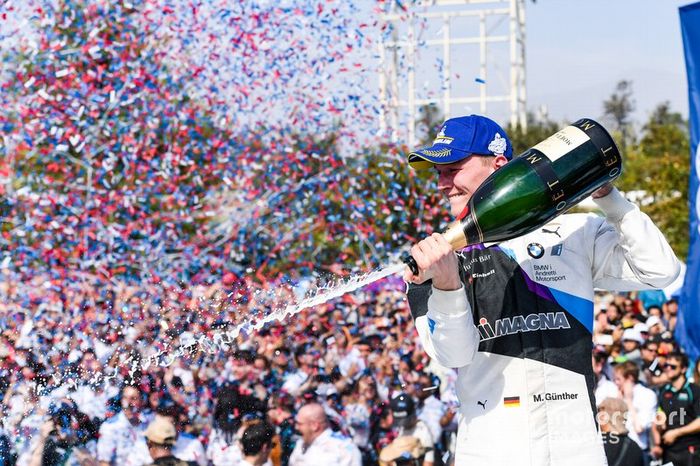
[562, 142]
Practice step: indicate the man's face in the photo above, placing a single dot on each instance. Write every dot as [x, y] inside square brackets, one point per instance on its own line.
[597, 362]
[673, 369]
[619, 379]
[279, 358]
[673, 308]
[649, 353]
[367, 388]
[630, 345]
[364, 350]
[306, 360]
[89, 363]
[131, 402]
[612, 313]
[425, 388]
[240, 369]
[306, 427]
[458, 181]
[259, 365]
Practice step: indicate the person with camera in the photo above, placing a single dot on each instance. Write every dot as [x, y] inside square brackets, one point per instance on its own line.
[429, 408]
[652, 367]
[296, 382]
[67, 437]
[363, 399]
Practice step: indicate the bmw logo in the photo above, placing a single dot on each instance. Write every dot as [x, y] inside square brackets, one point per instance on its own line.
[535, 250]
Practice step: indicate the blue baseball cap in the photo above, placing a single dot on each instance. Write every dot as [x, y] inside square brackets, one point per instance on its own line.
[461, 137]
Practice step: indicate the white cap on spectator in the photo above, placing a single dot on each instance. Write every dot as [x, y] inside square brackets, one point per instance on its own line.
[653, 320]
[641, 328]
[632, 334]
[326, 390]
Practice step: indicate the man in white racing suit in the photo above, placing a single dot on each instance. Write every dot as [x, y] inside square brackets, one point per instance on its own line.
[515, 318]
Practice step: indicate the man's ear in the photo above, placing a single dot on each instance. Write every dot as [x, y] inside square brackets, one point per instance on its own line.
[499, 161]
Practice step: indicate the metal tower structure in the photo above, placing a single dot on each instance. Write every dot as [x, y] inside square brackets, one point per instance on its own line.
[468, 54]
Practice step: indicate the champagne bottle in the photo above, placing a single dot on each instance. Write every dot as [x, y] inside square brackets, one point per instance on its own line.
[536, 186]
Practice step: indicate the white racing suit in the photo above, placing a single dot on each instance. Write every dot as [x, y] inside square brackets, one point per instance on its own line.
[519, 332]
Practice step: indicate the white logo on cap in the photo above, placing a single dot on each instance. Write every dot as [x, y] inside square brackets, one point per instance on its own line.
[498, 145]
[441, 138]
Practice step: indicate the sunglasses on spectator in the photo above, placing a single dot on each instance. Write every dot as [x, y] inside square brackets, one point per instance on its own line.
[671, 366]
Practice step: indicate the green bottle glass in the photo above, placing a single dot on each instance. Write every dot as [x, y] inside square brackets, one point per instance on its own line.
[536, 186]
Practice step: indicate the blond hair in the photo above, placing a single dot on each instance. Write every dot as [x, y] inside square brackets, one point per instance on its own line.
[615, 413]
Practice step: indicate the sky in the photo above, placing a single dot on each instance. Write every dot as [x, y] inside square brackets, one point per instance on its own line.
[577, 51]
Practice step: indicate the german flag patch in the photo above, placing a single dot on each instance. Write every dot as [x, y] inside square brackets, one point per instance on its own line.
[511, 401]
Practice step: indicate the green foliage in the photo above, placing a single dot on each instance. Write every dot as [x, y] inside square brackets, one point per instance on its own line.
[659, 165]
[149, 167]
[656, 168]
[537, 131]
[430, 118]
[618, 109]
[343, 224]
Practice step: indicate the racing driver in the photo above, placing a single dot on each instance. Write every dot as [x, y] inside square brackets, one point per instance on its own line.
[515, 318]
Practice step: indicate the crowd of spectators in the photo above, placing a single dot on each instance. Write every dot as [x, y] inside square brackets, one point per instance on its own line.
[645, 385]
[84, 380]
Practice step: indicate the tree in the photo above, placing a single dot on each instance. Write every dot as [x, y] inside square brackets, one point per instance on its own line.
[537, 131]
[657, 169]
[357, 212]
[118, 173]
[618, 108]
[430, 119]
